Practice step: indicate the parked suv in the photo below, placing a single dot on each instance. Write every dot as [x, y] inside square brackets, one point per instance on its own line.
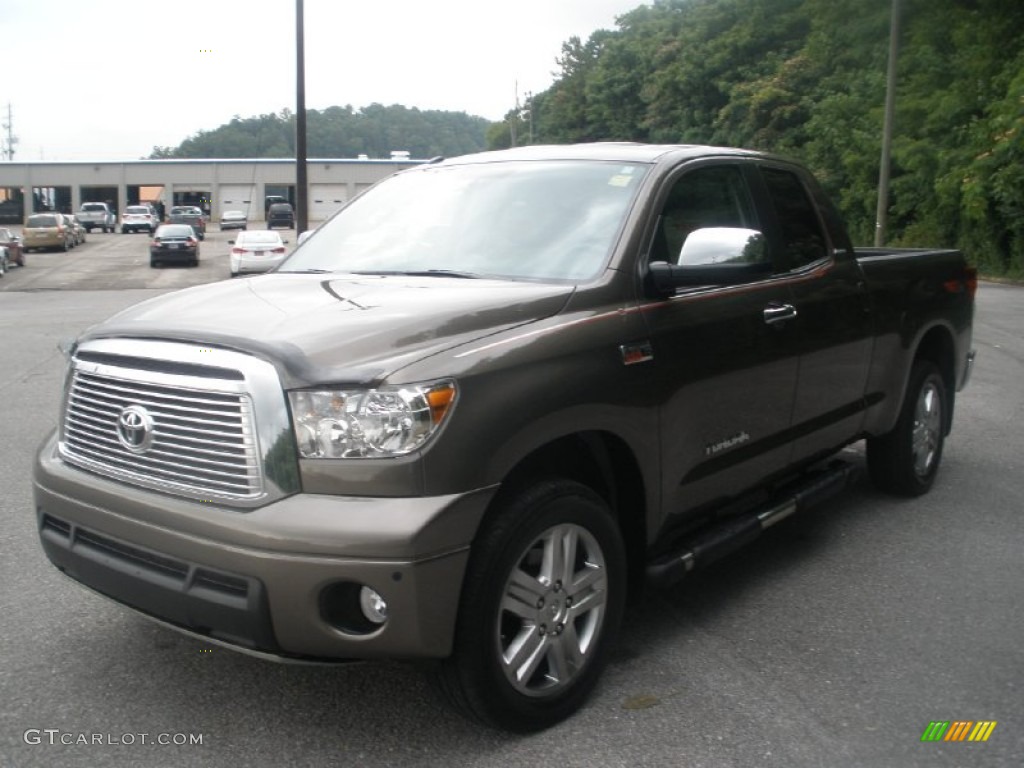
[48, 230]
[281, 215]
[138, 218]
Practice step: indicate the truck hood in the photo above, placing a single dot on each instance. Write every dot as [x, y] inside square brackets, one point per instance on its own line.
[338, 328]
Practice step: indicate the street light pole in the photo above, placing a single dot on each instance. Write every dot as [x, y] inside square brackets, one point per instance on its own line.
[882, 212]
[301, 176]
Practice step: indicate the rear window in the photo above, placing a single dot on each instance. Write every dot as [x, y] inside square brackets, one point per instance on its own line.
[258, 237]
[136, 209]
[93, 207]
[42, 220]
[174, 230]
[280, 208]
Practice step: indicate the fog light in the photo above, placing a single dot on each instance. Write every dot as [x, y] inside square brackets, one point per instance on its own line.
[373, 605]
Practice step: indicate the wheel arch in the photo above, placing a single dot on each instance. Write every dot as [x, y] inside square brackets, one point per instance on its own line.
[939, 347]
[603, 462]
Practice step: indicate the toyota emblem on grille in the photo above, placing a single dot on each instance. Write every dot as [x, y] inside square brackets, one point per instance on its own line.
[135, 428]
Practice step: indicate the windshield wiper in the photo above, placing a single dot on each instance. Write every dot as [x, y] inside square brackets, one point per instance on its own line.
[420, 273]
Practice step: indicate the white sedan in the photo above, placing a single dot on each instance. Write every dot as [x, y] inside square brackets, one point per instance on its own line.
[256, 250]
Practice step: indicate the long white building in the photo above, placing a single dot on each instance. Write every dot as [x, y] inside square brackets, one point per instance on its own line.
[216, 185]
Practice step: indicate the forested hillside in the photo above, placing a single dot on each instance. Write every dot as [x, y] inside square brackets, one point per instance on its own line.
[807, 78]
[804, 78]
[375, 131]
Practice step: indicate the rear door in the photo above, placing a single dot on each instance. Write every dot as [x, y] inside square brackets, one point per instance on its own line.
[831, 301]
[723, 359]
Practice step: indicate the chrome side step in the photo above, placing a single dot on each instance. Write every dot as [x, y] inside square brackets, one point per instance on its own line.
[721, 539]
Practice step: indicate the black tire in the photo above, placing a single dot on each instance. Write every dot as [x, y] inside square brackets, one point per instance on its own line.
[906, 460]
[561, 634]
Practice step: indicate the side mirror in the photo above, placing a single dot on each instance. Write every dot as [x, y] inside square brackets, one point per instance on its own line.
[713, 256]
[722, 245]
[231, 242]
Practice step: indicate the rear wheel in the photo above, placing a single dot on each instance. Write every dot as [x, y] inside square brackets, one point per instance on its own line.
[542, 601]
[906, 460]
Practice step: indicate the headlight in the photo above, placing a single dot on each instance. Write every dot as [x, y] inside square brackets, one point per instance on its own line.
[368, 423]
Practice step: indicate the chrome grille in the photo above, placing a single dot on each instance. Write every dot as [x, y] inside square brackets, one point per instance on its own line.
[202, 441]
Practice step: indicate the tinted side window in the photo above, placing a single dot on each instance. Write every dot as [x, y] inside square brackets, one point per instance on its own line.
[802, 239]
[713, 196]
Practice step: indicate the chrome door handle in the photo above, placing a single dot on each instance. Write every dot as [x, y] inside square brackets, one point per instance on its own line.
[779, 313]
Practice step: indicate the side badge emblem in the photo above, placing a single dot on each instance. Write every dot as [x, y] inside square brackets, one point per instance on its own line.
[639, 352]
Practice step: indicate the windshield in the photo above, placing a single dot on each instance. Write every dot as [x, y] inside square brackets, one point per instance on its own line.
[551, 220]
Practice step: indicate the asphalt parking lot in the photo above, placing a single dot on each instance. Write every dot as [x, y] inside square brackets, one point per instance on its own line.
[116, 261]
[832, 641]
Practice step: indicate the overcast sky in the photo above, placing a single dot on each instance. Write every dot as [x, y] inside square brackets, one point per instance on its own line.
[111, 79]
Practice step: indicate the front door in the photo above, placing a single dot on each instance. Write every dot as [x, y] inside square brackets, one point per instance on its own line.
[724, 358]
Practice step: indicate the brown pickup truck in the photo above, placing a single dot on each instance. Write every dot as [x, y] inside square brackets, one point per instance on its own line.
[488, 400]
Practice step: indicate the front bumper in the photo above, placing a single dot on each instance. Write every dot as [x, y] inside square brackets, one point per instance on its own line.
[267, 580]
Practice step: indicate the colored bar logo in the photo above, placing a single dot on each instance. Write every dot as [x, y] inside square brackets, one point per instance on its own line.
[958, 730]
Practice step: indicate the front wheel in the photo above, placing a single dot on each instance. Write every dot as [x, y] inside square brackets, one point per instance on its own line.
[542, 601]
[906, 460]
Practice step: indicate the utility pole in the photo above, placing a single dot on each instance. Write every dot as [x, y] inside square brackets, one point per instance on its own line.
[882, 212]
[11, 140]
[301, 174]
[515, 117]
[529, 113]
